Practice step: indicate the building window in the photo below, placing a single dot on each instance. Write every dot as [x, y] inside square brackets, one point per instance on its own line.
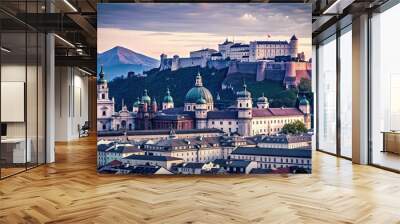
[103, 96]
[104, 127]
[104, 113]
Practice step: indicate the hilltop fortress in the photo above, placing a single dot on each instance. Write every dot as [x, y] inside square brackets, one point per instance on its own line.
[267, 60]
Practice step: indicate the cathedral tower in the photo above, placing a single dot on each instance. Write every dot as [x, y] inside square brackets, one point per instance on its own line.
[244, 107]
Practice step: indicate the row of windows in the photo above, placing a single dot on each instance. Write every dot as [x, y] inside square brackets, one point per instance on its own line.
[274, 159]
[194, 108]
[265, 130]
[285, 121]
[269, 166]
[222, 122]
[241, 105]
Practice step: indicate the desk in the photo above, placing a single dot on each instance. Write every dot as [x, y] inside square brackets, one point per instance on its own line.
[391, 141]
[13, 150]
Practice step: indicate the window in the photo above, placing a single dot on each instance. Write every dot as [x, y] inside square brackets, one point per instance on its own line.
[327, 95]
[385, 87]
[104, 113]
[346, 92]
[103, 96]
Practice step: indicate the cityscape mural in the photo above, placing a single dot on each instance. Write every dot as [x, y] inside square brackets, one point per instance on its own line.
[212, 89]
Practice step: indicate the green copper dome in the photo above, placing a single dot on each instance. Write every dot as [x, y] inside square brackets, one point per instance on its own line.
[262, 99]
[304, 101]
[201, 101]
[146, 98]
[244, 92]
[168, 98]
[199, 92]
[101, 79]
[137, 102]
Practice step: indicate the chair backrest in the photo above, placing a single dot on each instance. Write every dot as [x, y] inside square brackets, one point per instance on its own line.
[86, 125]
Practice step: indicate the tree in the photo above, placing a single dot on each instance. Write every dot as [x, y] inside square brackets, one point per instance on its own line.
[305, 85]
[296, 127]
[286, 98]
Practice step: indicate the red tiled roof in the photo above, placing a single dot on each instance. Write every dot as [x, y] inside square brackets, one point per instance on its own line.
[276, 112]
[261, 112]
[283, 111]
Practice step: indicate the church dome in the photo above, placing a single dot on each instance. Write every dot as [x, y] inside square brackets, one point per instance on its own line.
[168, 98]
[201, 101]
[199, 92]
[244, 92]
[304, 101]
[136, 103]
[146, 98]
[262, 99]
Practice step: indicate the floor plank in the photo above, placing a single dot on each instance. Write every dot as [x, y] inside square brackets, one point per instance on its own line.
[70, 191]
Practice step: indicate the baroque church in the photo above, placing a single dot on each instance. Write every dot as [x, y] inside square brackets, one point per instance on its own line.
[198, 112]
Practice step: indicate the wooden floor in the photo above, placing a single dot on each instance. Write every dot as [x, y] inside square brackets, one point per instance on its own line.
[70, 191]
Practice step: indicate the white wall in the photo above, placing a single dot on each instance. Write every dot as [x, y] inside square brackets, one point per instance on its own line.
[71, 102]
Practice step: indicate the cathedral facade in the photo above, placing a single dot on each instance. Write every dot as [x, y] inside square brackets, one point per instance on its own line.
[107, 118]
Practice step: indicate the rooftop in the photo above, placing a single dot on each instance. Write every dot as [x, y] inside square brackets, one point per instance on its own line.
[154, 158]
[301, 153]
[193, 165]
[160, 132]
[285, 139]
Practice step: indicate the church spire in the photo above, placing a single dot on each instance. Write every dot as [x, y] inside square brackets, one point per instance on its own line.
[199, 81]
[101, 76]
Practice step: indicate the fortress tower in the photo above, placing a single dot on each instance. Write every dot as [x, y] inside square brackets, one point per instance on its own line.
[175, 63]
[163, 62]
[261, 69]
[293, 44]
[290, 75]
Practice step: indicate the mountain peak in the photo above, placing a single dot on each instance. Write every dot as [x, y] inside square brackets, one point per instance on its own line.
[122, 56]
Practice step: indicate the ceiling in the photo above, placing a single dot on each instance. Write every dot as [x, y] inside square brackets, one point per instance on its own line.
[75, 22]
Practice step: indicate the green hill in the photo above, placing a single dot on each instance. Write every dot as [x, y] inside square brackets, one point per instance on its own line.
[180, 81]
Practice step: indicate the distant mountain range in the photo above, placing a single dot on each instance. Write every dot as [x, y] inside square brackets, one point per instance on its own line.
[118, 61]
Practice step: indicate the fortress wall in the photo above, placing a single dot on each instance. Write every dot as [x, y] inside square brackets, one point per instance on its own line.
[189, 62]
[261, 70]
[242, 67]
[218, 64]
[275, 74]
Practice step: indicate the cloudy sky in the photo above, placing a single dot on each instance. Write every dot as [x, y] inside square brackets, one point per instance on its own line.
[171, 28]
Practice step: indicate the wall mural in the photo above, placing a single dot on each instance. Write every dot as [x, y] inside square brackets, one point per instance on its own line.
[204, 88]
